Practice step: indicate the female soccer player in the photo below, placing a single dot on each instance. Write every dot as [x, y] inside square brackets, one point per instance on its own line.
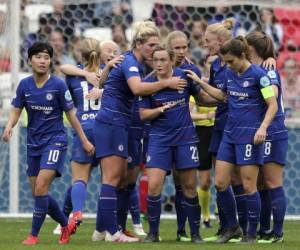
[114, 118]
[251, 108]
[172, 140]
[276, 145]
[87, 108]
[215, 36]
[177, 41]
[45, 97]
[203, 118]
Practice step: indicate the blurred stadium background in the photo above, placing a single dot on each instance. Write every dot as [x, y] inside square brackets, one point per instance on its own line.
[63, 23]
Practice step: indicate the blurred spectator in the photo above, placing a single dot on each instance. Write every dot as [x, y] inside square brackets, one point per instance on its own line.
[270, 26]
[119, 36]
[172, 17]
[74, 49]
[198, 52]
[221, 13]
[4, 43]
[41, 35]
[61, 18]
[108, 13]
[291, 86]
[60, 55]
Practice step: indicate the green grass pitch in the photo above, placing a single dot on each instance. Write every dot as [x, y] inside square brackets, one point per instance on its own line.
[13, 231]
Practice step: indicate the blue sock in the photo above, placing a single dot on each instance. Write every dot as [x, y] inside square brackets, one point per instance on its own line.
[222, 218]
[99, 217]
[227, 204]
[241, 206]
[108, 208]
[278, 202]
[41, 204]
[67, 206]
[134, 207]
[78, 195]
[192, 209]
[154, 211]
[266, 210]
[180, 211]
[254, 208]
[55, 213]
[123, 206]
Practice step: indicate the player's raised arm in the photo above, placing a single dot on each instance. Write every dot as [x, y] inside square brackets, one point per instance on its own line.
[214, 92]
[141, 88]
[91, 77]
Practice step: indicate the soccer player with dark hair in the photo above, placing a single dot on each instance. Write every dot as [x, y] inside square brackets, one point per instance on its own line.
[272, 195]
[252, 106]
[172, 140]
[45, 97]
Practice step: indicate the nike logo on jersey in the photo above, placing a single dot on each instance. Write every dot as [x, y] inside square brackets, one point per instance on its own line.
[26, 95]
[247, 159]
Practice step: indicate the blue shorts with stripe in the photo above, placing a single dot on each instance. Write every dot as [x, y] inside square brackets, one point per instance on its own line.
[78, 153]
[276, 151]
[110, 140]
[164, 157]
[134, 152]
[241, 154]
[51, 158]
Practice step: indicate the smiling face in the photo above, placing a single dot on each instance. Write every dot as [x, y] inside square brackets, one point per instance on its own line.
[108, 52]
[40, 63]
[162, 63]
[212, 42]
[180, 47]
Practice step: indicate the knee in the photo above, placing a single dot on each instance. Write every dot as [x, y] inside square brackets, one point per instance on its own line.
[221, 184]
[205, 184]
[250, 186]
[189, 189]
[41, 188]
[153, 190]
[271, 183]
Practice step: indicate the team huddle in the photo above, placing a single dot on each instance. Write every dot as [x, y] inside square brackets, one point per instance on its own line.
[136, 108]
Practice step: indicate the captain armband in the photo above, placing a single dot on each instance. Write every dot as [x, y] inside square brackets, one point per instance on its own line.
[267, 92]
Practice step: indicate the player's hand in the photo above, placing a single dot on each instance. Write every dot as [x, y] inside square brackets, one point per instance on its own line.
[191, 74]
[7, 133]
[92, 78]
[176, 83]
[211, 115]
[165, 107]
[260, 136]
[94, 94]
[269, 64]
[89, 147]
[114, 62]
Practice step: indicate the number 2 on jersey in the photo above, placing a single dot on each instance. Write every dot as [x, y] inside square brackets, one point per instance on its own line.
[194, 153]
[88, 104]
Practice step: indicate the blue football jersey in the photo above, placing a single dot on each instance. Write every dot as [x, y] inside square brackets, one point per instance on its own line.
[190, 66]
[174, 127]
[277, 130]
[86, 109]
[136, 128]
[217, 80]
[117, 98]
[45, 108]
[246, 105]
